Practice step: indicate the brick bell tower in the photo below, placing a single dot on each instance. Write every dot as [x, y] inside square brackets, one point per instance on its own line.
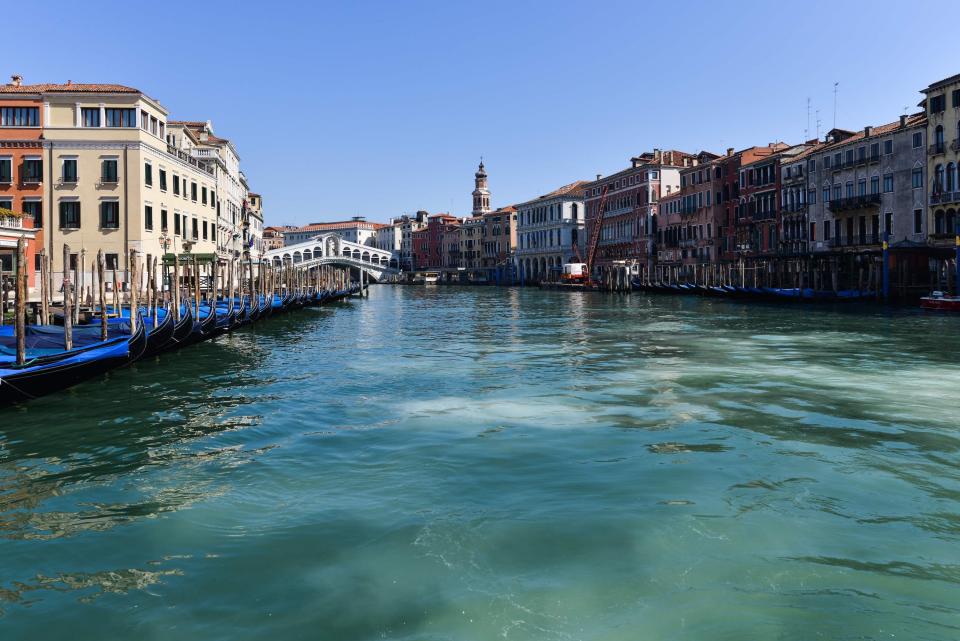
[481, 195]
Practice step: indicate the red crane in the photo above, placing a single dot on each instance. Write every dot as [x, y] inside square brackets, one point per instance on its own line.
[595, 228]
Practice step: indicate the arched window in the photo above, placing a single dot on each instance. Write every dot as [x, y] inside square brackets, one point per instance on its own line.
[951, 177]
[938, 178]
[938, 137]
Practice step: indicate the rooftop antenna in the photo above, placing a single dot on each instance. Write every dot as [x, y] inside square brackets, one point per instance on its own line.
[806, 132]
[818, 123]
[835, 85]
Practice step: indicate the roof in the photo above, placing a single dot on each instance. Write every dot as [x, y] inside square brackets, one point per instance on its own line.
[913, 120]
[346, 224]
[68, 87]
[574, 189]
[941, 83]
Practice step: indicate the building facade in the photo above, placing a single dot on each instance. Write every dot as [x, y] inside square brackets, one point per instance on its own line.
[550, 232]
[863, 184]
[21, 176]
[629, 225]
[355, 230]
[112, 182]
[942, 107]
[499, 245]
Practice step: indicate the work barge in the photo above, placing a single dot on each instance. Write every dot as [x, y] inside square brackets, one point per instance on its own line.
[167, 303]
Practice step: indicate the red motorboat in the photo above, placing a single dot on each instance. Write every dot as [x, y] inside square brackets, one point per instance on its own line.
[940, 301]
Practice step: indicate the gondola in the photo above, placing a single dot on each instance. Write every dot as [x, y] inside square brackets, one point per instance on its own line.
[46, 374]
[160, 336]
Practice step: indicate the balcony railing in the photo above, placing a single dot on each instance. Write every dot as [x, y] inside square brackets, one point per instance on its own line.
[855, 202]
[14, 222]
[861, 240]
[937, 148]
[945, 197]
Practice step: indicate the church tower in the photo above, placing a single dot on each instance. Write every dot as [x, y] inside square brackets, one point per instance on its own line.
[481, 195]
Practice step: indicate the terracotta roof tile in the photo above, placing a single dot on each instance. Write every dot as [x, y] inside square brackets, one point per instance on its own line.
[73, 87]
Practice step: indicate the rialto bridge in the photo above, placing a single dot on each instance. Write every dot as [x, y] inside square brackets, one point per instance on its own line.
[330, 249]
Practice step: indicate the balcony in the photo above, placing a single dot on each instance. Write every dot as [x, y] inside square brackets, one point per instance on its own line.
[945, 197]
[31, 180]
[855, 202]
[861, 240]
[795, 208]
[936, 148]
[765, 215]
[11, 222]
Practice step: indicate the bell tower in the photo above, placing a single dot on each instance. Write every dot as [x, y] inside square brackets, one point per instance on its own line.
[481, 195]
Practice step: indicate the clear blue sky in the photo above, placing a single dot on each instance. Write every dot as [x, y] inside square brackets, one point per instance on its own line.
[381, 108]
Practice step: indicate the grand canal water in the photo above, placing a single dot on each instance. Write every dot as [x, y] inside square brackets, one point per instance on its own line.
[444, 463]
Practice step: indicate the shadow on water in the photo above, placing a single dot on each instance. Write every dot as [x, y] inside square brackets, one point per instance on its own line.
[145, 417]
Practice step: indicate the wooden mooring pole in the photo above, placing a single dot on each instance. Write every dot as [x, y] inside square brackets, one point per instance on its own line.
[20, 305]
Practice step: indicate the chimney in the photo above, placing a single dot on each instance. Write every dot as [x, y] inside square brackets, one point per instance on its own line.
[16, 79]
[69, 82]
[729, 151]
[867, 131]
[599, 176]
[656, 154]
[903, 121]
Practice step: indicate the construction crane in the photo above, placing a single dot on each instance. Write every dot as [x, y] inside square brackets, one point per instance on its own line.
[595, 233]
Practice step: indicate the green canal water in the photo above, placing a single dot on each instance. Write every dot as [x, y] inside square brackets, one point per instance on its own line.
[477, 464]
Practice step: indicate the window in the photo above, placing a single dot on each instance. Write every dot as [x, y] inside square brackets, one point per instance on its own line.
[850, 189]
[937, 103]
[826, 162]
[193, 192]
[837, 194]
[888, 146]
[955, 98]
[917, 178]
[176, 224]
[811, 196]
[6, 170]
[69, 214]
[176, 185]
[90, 116]
[875, 185]
[32, 170]
[204, 230]
[888, 222]
[163, 180]
[20, 117]
[918, 139]
[120, 117]
[826, 195]
[110, 214]
[862, 187]
[148, 218]
[812, 165]
[108, 170]
[163, 220]
[917, 221]
[203, 195]
[148, 174]
[69, 170]
[112, 261]
[837, 160]
[875, 150]
[33, 208]
[888, 182]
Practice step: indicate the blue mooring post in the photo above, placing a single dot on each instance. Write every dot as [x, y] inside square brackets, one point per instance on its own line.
[886, 266]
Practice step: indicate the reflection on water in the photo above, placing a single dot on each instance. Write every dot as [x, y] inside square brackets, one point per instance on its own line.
[479, 463]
